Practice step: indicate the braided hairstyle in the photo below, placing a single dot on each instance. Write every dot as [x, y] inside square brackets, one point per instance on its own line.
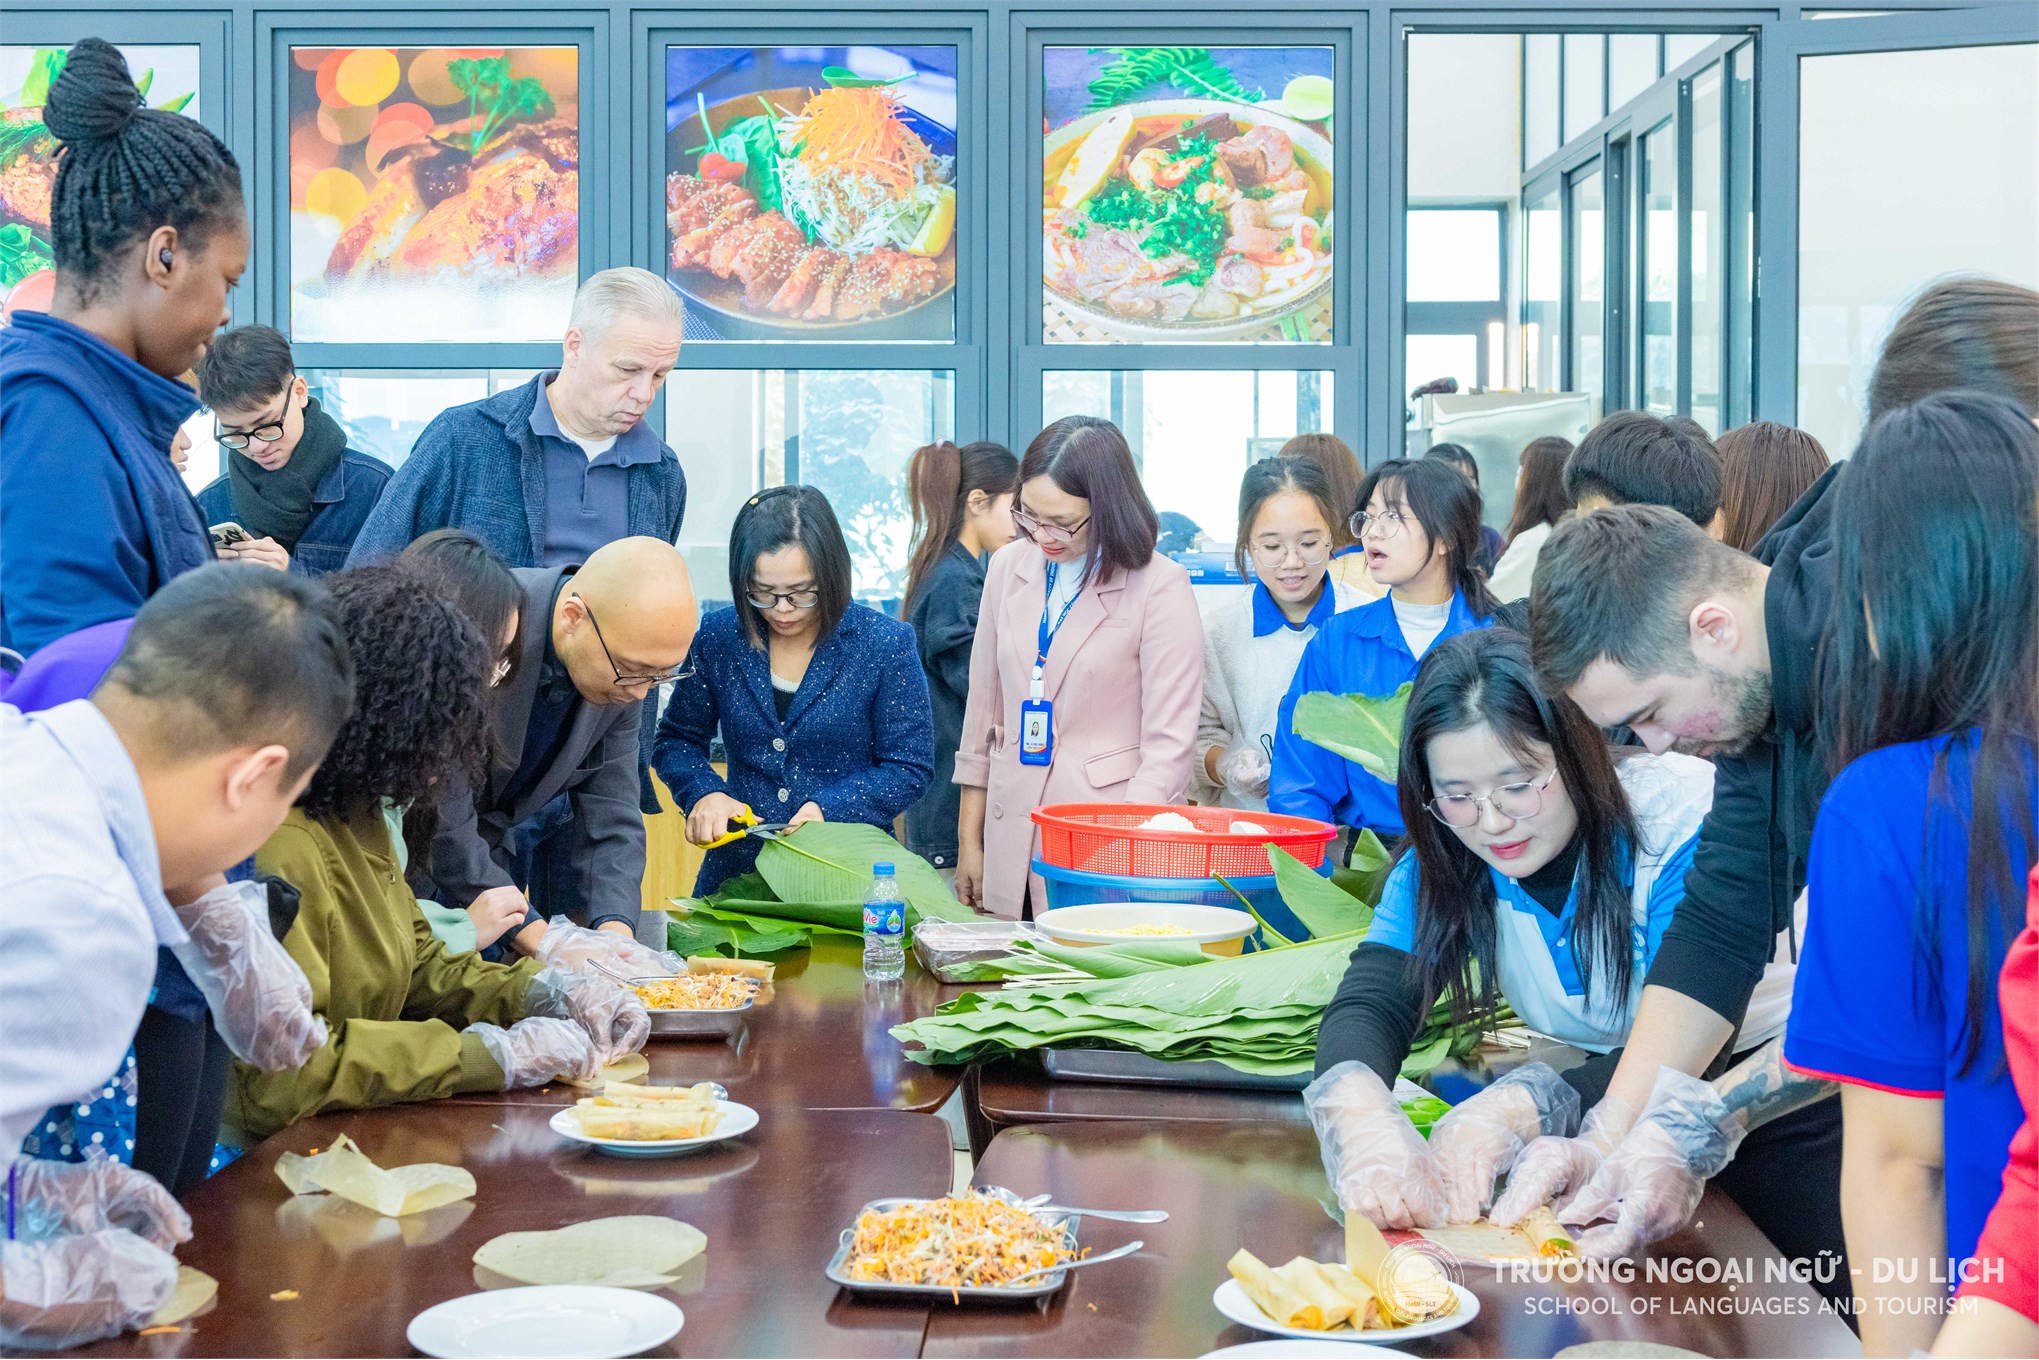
[125, 170]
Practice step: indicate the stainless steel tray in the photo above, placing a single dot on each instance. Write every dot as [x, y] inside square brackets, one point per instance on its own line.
[1123, 1066]
[1039, 1288]
[724, 1022]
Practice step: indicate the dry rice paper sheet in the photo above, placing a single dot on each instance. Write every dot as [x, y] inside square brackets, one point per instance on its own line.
[635, 1251]
[630, 1067]
[344, 1170]
[194, 1292]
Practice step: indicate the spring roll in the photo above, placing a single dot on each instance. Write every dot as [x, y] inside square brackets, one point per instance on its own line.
[1270, 1293]
[1547, 1235]
[1366, 1309]
[636, 1125]
[1306, 1278]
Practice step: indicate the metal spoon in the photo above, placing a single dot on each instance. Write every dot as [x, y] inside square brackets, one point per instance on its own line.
[1114, 1254]
[1039, 1204]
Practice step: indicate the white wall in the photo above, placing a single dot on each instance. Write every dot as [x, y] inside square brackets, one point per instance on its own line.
[1465, 115]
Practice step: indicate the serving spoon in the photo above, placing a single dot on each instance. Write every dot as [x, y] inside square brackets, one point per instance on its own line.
[1039, 1204]
[1114, 1254]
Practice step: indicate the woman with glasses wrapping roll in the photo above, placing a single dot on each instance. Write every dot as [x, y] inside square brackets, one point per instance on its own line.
[1252, 643]
[1087, 674]
[1540, 870]
[821, 701]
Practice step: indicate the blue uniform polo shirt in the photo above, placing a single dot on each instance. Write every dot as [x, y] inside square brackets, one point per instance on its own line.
[587, 500]
[1268, 618]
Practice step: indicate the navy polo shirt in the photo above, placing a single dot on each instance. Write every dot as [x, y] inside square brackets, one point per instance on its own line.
[587, 500]
[1268, 618]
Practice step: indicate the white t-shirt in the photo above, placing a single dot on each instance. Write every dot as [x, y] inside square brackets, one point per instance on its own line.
[1421, 623]
[1069, 574]
[593, 448]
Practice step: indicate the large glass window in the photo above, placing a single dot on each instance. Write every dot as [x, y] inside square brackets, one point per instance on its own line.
[1631, 66]
[1708, 264]
[1454, 255]
[1540, 96]
[1585, 77]
[1911, 165]
[1194, 432]
[1542, 278]
[1588, 286]
[1680, 48]
[1659, 385]
[383, 413]
[434, 193]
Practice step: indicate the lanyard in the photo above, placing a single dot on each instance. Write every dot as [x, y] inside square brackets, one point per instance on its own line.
[1047, 633]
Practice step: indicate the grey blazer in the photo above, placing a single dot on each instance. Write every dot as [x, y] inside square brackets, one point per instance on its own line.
[596, 769]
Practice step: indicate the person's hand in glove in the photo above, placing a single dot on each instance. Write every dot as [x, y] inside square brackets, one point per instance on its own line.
[61, 1199]
[1650, 1184]
[1553, 1169]
[602, 954]
[1480, 1137]
[611, 1013]
[1377, 1162]
[1246, 771]
[63, 1291]
[261, 1001]
[537, 1049]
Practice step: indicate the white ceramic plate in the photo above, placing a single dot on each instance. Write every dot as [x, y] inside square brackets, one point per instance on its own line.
[562, 1320]
[1102, 922]
[1285, 1350]
[1231, 1300]
[737, 1120]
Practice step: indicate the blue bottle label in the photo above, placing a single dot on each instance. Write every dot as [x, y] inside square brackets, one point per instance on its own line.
[884, 918]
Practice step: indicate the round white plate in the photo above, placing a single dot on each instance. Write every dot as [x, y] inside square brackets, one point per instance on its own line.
[562, 1320]
[1285, 1349]
[1231, 1300]
[737, 1120]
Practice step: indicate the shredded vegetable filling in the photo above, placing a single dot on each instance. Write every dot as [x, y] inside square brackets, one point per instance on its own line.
[697, 992]
[954, 1243]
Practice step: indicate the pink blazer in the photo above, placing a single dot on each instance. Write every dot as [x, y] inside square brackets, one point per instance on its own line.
[1126, 676]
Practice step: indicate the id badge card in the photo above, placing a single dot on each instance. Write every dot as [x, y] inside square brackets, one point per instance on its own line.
[1037, 732]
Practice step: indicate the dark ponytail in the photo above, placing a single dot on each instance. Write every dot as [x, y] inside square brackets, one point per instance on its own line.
[939, 481]
[125, 170]
[1448, 508]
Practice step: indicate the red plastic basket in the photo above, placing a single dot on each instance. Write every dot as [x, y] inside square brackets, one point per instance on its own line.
[1107, 838]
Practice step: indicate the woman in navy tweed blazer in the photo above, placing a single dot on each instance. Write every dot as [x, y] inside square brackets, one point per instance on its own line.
[822, 703]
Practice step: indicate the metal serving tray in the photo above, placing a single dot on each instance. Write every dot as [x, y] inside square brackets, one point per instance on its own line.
[1039, 1288]
[724, 1022]
[1126, 1067]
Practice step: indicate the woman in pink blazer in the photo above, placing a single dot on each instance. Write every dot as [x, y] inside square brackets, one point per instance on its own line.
[1113, 631]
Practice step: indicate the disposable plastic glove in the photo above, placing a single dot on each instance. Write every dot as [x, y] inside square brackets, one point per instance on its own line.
[537, 1049]
[1246, 770]
[1552, 1169]
[62, 1199]
[1377, 1162]
[611, 1013]
[602, 953]
[62, 1291]
[1650, 1184]
[1481, 1137]
[261, 1001]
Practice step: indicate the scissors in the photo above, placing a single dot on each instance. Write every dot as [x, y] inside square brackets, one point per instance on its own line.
[746, 823]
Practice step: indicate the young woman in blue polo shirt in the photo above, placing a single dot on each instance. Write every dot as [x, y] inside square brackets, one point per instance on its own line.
[1419, 523]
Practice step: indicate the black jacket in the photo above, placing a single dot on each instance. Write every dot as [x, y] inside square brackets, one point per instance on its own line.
[944, 619]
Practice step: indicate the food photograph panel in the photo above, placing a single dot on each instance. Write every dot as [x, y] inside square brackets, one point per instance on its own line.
[434, 193]
[167, 77]
[1186, 195]
[811, 192]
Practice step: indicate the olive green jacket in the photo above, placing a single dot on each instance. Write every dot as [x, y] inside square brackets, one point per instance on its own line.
[393, 996]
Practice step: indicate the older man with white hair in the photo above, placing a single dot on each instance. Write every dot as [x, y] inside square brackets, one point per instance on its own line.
[546, 473]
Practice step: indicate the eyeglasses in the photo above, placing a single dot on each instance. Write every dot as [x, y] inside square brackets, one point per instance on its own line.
[238, 439]
[1036, 528]
[769, 599]
[680, 672]
[1385, 525]
[1513, 801]
[1312, 554]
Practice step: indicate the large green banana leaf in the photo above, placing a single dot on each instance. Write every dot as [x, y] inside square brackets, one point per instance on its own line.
[1357, 726]
[831, 862]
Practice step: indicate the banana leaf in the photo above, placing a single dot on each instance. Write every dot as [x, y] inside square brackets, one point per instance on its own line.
[1359, 727]
[1369, 869]
[690, 934]
[1321, 905]
[831, 862]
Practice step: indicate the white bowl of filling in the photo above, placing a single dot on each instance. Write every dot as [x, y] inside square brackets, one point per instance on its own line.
[1215, 930]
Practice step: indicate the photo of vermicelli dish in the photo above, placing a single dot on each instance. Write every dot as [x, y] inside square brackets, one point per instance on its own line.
[1182, 201]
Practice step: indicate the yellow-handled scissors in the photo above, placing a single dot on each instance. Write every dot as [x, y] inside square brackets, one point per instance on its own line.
[746, 823]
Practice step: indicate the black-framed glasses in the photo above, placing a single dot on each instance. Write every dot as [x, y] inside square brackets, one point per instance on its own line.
[679, 672]
[1513, 801]
[1035, 528]
[239, 439]
[769, 599]
[1385, 525]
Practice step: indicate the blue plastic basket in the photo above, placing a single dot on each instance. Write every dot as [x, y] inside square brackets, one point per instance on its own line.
[1072, 888]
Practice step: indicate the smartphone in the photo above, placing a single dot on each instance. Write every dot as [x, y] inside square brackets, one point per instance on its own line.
[228, 534]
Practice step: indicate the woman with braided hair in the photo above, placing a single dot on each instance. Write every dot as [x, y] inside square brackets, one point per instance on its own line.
[149, 232]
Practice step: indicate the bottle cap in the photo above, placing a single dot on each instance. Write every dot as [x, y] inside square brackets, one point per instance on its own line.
[881, 870]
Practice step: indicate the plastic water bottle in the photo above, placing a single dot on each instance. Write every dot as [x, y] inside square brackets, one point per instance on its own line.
[884, 927]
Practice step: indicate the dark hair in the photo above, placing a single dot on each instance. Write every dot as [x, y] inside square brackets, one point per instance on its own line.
[234, 654]
[471, 576]
[1633, 458]
[1269, 478]
[1968, 332]
[1945, 489]
[1484, 676]
[1460, 457]
[1619, 583]
[1088, 457]
[1764, 468]
[1342, 473]
[939, 481]
[125, 170]
[421, 675]
[1448, 508]
[1540, 498]
[244, 368]
[774, 519]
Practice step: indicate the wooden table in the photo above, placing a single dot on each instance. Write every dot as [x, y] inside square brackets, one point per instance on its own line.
[771, 1203]
[1258, 1185]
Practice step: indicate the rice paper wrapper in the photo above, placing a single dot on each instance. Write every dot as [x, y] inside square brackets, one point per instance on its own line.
[344, 1170]
[634, 1251]
[194, 1292]
[630, 1067]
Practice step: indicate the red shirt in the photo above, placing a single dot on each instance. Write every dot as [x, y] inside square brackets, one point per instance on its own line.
[2008, 1237]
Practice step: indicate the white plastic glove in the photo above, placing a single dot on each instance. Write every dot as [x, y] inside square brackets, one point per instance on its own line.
[1553, 1169]
[1246, 770]
[261, 1001]
[603, 954]
[62, 1291]
[537, 1049]
[1650, 1184]
[1377, 1162]
[63, 1199]
[611, 1013]
[1480, 1137]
